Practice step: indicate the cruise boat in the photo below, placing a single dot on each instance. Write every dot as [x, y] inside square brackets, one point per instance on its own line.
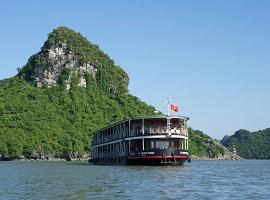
[149, 140]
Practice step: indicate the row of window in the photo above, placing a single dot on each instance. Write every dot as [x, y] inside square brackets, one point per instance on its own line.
[107, 135]
[138, 145]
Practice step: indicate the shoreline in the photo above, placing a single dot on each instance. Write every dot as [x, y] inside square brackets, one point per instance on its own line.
[43, 160]
[218, 158]
[22, 158]
[193, 158]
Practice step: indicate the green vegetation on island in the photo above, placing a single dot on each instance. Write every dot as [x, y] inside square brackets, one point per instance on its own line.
[250, 145]
[56, 122]
[65, 92]
[202, 145]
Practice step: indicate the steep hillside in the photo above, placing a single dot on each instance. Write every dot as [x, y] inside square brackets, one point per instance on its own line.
[67, 90]
[201, 146]
[250, 145]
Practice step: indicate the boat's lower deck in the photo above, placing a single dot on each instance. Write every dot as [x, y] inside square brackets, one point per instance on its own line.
[148, 157]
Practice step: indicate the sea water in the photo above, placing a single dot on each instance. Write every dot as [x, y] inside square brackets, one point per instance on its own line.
[245, 179]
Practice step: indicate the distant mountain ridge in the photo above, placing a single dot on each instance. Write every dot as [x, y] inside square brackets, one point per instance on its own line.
[250, 145]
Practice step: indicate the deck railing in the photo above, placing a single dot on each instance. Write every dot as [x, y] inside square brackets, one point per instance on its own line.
[150, 130]
[138, 131]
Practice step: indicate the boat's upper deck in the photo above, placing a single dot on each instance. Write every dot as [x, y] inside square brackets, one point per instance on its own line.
[143, 126]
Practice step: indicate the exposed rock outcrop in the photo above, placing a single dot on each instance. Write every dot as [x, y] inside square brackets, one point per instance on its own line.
[67, 57]
[60, 59]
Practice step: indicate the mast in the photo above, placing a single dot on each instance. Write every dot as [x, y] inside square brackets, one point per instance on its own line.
[168, 118]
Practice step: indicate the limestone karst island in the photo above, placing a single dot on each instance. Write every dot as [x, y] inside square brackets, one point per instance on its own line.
[71, 89]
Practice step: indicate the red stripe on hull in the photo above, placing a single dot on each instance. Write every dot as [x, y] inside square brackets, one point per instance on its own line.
[160, 157]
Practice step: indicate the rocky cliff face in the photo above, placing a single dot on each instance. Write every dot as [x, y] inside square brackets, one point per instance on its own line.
[62, 61]
[67, 56]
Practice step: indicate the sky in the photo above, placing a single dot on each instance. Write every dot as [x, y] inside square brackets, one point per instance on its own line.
[211, 57]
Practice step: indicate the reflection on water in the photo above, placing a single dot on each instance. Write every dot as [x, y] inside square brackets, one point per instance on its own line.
[80, 180]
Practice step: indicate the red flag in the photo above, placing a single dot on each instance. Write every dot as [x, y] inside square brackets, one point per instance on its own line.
[174, 107]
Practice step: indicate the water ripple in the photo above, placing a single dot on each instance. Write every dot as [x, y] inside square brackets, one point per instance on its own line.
[248, 179]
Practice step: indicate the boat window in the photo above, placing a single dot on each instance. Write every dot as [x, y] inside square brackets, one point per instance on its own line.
[162, 144]
[149, 144]
[135, 145]
[174, 143]
[152, 143]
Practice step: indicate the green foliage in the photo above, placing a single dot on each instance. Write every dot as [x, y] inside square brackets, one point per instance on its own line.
[250, 145]
[38, 60]
[55, 123]
[201, 145]
[65, 73]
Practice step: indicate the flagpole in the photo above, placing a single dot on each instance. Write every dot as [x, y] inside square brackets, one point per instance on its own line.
[168, 117]
[168, 109]
[169, 106]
